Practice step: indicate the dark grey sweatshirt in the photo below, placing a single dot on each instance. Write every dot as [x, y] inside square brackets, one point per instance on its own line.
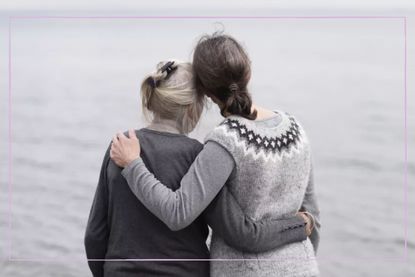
[121, 227]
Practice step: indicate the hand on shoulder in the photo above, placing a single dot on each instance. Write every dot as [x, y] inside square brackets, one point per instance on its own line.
[125, 149]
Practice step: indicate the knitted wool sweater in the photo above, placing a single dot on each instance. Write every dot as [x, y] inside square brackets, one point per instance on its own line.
[273, 167]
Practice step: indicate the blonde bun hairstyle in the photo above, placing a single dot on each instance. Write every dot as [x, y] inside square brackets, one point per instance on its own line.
[169, 93]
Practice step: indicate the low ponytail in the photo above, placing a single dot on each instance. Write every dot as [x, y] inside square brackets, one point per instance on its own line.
[147, 90]
[239, 103]
[150, 85]
[223, 70]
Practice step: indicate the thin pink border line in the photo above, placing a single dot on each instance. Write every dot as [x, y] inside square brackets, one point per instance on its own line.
[204, 17]
[406, 187]
[405, 257]
[10, 144]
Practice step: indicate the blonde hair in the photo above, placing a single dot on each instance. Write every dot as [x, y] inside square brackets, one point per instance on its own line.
[172, 96]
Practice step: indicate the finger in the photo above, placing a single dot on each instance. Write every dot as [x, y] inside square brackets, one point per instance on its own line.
[121, 136]
[131, 134]
[117, 144]
[114, 152]
[114, 139]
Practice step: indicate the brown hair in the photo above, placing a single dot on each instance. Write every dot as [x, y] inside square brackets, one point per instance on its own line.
[223, 69]
[172, 96]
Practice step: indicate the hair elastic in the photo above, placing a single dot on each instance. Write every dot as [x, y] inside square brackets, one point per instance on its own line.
[168, 68]
[233, 87]
[152, 82]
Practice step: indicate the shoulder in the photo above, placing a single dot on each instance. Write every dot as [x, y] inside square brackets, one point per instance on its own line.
[295, 124]
[294, 135]
[194, 144]
[224, 133]
[188, 145]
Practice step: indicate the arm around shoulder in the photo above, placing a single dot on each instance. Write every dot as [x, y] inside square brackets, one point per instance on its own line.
[226, 218]
[177, 209]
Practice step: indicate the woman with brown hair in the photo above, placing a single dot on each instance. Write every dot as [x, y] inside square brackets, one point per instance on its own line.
[259, 158]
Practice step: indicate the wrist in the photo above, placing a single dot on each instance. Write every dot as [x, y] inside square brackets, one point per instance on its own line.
[130, 166]
[130, 160]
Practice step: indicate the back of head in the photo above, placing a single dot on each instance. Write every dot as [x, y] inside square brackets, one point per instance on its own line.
[170, 93]
[223, 70]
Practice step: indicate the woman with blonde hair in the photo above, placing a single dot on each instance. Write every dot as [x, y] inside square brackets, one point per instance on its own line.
[120, 227]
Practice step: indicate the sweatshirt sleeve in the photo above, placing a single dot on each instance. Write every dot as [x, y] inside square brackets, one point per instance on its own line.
[97, 230]
[178, 209]
[310, 205]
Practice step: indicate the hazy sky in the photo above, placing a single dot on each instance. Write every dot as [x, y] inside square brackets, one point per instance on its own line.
[7, 5]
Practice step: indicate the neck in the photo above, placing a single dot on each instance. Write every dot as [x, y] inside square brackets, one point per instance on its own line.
[262, 113]
[164, 125]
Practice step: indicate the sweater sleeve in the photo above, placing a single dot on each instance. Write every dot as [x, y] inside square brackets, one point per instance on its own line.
[97, 230]
[178, 209]
[224, 214]
[226, 218]
[310, 205]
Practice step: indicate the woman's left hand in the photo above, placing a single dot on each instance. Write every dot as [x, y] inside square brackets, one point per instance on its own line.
[123, 149]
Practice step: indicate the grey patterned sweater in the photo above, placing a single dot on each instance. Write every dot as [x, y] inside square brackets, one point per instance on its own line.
[273, 169]
[214, 167]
